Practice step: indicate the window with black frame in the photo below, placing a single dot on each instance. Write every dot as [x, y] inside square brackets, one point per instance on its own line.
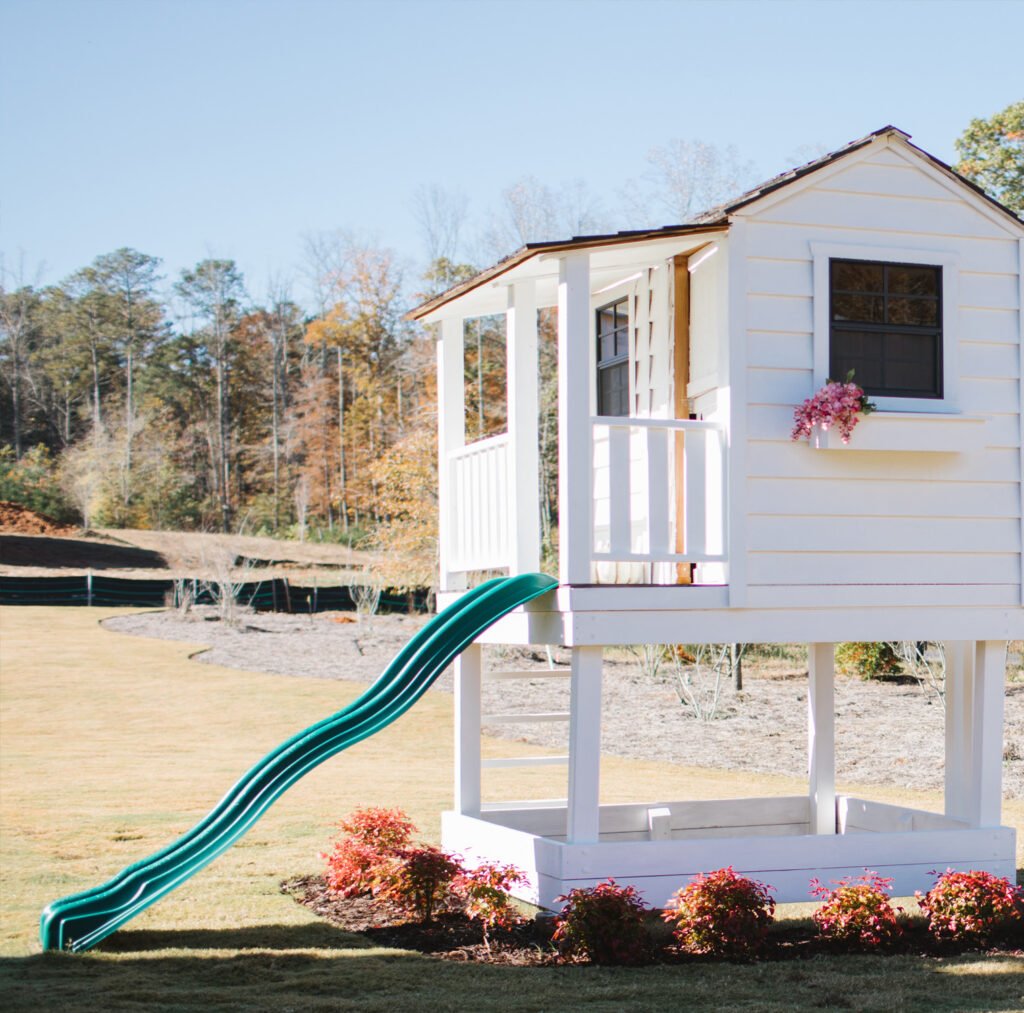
[613, 359]
[885, 324]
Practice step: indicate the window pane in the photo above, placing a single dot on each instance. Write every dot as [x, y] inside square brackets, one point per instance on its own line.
[913, 280]
[856, 276]
[860, 351]
[915, 312]
[613, 390]
[622, 342]
[862, 308]
[606, 320]
[911, 364]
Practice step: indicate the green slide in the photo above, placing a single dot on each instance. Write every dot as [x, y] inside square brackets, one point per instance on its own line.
[81, 920]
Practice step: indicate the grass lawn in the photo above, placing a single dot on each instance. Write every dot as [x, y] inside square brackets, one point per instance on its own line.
[112, 745]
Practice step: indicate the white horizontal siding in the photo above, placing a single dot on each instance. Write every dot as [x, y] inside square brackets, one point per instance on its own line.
[881, 498]
[882, 567]
[998, 326]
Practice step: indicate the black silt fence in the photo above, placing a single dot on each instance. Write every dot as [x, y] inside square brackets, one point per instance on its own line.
[275, 595]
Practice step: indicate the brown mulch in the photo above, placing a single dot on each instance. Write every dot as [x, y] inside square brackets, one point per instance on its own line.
[16, 519]
[453, 936]
[450, 936]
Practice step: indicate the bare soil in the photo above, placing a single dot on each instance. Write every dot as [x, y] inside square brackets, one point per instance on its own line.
[888, 733]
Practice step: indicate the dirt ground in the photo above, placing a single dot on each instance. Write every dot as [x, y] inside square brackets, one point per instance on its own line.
[887, 733]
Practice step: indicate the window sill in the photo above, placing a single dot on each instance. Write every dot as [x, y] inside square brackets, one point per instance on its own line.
[912, 432]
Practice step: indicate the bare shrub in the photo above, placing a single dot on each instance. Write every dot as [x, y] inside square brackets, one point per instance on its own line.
[698, 675]
[926, 662]
[224, 578]
[364, 590]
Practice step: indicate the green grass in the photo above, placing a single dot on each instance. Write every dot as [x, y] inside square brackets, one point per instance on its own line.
[113, 745]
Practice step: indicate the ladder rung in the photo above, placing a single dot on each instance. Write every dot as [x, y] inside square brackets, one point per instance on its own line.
[529, 673]
[525, 761]
[513, 719]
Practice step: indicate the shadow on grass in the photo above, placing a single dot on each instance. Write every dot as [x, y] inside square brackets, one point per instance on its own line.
[314, 936]
[331, 975]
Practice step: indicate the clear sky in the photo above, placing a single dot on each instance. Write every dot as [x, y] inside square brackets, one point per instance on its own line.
[191, 128]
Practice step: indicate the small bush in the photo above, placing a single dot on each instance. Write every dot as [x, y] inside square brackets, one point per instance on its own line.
[868, 660]
[370, 837]
[856, 912]
[419, 880]
[721, 914]
[604, 924]
[485, 895]
[973, 908]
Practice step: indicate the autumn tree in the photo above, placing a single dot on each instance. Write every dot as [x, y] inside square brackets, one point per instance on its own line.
[19, 327]
[214, 290]
[992, 155]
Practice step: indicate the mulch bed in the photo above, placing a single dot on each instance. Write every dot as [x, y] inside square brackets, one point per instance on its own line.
[453, 936]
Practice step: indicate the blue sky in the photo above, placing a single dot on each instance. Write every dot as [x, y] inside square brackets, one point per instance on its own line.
[191, 128]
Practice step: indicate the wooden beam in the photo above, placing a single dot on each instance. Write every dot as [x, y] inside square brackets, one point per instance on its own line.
[821, 737]
[681, 405]
[987, 733]
[959, 749]
[584, 746]
[468, 666]
[451, 435]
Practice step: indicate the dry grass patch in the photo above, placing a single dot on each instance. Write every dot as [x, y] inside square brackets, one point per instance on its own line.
[113, 745]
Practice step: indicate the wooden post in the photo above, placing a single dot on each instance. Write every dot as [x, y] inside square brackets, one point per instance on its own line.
[584, 746]
[468, 666]
[681, 400]
[959, 748]
[575, 446]
[821, 737]
[523, 413]
[987, 733]
[451, 434]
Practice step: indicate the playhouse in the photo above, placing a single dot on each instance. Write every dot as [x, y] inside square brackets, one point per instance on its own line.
[688, 515]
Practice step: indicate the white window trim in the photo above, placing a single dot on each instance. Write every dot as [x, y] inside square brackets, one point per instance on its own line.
[949, 261]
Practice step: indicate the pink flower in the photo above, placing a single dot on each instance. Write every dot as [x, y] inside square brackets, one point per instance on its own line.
[838, 404]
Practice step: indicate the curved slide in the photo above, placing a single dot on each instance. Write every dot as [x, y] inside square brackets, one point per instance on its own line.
[79, 921]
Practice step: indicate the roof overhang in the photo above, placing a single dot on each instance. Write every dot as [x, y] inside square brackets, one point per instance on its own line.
[612, 257]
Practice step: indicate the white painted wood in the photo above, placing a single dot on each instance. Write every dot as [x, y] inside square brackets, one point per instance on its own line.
[1020, 397]
[525, 717]
[584, 744]
[821, 737]
[528, 673]
[734, 403]
[987, 733]
[451, 434]
[695, 499]
[658, 471]
[659, 824]
[467, 730]
[959, 695]
[619, 492]
[575, 379]
[524, 761]
[479, 537]
[523, 414]
[889, 432]
[857, 814]
[766, 568]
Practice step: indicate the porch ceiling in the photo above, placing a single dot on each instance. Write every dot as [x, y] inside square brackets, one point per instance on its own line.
[609, 264]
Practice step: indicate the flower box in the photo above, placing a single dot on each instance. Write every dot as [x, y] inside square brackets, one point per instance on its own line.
[913, 432]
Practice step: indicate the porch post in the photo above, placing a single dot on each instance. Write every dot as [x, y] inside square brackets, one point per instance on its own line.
[584, 745]
[987, 733]
[959, 748]
[467, 731]
[451, 434]
[821, 737]
[523, 448]
[574, 443]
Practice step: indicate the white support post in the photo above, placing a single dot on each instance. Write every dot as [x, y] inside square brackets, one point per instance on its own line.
[959, 696]
[987, 733]
[523, 414]
[468, 666]
[451, 434]
[575, 451]
[821, 737]
[584, 746]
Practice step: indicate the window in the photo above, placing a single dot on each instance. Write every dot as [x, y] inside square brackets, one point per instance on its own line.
[885, 324]
[890, 314]
[613, 359]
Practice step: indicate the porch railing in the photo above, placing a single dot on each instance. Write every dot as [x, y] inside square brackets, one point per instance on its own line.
[658, 490]
[478, 535]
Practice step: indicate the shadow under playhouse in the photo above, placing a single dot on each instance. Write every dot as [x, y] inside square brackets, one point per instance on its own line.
[688, 515]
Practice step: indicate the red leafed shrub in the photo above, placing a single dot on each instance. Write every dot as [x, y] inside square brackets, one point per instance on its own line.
[419, 880]
[975, 908]
[369, 837]
[856, 912]
[604, 924]
[485, 894]
[721, 914]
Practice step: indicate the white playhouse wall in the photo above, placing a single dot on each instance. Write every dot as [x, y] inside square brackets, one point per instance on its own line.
[921, 509]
